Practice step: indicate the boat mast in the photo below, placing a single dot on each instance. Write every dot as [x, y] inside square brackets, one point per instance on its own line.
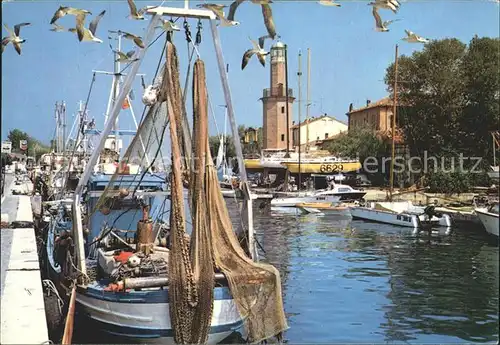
[299, 77]
[76, 209]
[394, 122]
[224, 143]
[308, 91]
[116, 78]
[494, 149]
[63, 115]
[287, 155]
[234, 129]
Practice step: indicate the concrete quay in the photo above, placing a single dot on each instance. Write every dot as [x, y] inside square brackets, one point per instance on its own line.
[23, 319]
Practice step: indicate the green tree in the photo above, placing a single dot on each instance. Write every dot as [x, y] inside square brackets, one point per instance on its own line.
[449, 97]
[481, 114]
[430, 88]
[35, 147]
[363, 143]
[214, 142]
[15, 136]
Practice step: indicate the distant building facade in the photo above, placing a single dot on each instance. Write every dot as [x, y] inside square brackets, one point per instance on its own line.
[274, 104]
[317, 129]
[375, 115]
[251, 135]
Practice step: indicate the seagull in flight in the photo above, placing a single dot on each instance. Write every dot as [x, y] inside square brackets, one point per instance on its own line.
[379, 24]
[58, 28]
[392, 5]
[14, 37]
[219, 13]
[85, 34]
[124, 57]
[135, 13]
[168, 25]
[62, 11]
[136, 39]
[257, 49]
[329, 3]
[269, 20]
[236, 3]
[411, 37]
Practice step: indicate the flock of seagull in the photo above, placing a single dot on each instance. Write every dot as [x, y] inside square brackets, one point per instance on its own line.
[258, 47]
[89, 34]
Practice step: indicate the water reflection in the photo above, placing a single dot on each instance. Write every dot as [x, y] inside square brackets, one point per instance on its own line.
[349, 281]
[374, 282]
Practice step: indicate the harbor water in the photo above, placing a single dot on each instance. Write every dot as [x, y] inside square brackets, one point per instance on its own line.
[355, 282]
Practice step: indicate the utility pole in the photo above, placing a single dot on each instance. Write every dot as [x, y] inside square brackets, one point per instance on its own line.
[394, 122]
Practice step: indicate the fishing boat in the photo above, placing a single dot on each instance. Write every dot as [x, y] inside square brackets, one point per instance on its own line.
[112, 242]
[489, 218]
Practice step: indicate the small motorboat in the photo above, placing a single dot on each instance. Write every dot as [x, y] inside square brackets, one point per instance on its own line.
[401, 213]
[489, 218]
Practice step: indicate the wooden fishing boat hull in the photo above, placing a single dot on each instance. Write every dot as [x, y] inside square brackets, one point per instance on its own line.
[322, 167]
[144, 315]
[253, 164]
[489, 221]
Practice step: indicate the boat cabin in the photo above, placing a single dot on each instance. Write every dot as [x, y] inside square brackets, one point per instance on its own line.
[122, 207]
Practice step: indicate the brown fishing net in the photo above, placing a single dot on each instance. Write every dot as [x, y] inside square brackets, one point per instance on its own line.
[191, 273]
[256, 287]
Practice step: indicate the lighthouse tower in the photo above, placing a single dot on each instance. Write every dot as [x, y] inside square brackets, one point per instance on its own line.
[274, 103]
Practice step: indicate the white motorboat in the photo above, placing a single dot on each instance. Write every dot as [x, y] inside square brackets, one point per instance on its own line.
[489, 218]
[346, 192]
[322, 196]
[401, 213]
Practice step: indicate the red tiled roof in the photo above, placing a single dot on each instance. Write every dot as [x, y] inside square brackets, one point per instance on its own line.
[384, 102]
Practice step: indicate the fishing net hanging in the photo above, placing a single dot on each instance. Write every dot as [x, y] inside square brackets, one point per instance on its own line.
[190, 264]
[255, 287]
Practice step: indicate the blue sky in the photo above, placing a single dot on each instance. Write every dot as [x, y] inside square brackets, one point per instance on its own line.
[348, 57]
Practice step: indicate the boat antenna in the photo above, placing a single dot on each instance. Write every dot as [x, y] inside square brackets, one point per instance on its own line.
[394, 122]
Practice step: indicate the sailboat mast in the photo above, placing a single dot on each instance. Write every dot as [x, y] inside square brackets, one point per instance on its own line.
[286, 105]
[224, 144]
[394, 122]
[308, 91]
[299, 77]
[494, 149]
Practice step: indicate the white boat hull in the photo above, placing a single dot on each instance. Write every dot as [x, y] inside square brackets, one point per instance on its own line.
[145, 314]
[292, 202]
[399, 217]
[489, 221]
